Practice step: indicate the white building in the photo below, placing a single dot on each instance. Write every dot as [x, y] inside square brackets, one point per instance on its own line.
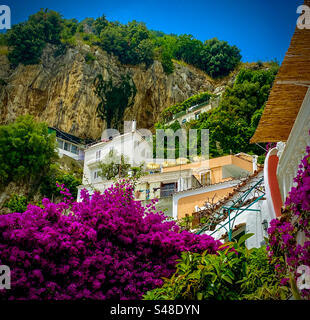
[194, 112]
[68, 144]
[133, 145]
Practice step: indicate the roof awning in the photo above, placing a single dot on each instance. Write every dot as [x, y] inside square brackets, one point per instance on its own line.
[288, 92]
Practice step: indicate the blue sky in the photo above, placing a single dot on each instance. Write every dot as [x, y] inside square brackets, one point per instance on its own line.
[262, 29]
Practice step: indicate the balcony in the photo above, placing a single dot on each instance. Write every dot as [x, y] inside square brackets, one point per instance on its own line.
[167, 190]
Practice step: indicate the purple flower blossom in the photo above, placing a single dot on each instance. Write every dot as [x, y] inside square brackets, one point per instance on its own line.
[283, 235]
[106, 247]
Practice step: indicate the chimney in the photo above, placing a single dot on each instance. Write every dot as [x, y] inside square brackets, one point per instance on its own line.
[254, 163]
[133, 126]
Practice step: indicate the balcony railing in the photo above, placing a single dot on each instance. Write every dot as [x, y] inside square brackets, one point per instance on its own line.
[164, 193]
[189, 110]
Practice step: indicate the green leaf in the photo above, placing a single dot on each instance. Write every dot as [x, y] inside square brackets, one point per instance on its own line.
[244, 238]
[227, 279]
[199, 296]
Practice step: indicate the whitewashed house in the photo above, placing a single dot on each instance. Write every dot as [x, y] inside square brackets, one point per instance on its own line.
[133, 145]
[68, 144]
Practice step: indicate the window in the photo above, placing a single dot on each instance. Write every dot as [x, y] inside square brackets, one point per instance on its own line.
[60, 144]
[98, 154]
[96, 175]
[184, 120]
[168, 189]
[67, 146]
[74, 149]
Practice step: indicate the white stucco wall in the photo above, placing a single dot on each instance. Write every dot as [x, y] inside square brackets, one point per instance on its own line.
[131, 145]
[253, 220]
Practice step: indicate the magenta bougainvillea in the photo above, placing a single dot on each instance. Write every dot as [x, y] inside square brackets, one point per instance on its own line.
[106, 247]
[284, 247]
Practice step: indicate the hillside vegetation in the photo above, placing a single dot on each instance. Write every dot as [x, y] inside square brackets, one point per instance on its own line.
[133, 43]
[234, 121]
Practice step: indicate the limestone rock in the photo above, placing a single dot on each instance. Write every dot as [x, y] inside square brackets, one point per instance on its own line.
[60, 90]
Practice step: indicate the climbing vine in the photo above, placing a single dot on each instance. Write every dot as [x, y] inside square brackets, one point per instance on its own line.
[114, 98]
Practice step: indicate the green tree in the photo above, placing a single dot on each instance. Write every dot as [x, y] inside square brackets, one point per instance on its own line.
[26, 150]
[48, 187]
[99, 24]
[145, 51]
[49, 24]
[114, 165]
[218, 58]
[68, 31]
[131, 43]
[113, 40]
[25, 44]
[27, 39]
[166, 61]
[189, 49]
[165, 49]
[233, 123]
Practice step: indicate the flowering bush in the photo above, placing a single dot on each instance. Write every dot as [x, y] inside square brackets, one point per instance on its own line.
[234, 273]
[284, 248]
[106, 247]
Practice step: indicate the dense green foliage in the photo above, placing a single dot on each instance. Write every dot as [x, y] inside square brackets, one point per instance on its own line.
[26, 150]
[217, 58]
[165, 48]
[17, 203]
[48, 187]
[27, 39]
[232, 274]
[3, 39]
[114, 98]
[133, 43]
[234, 122]
[115, 166]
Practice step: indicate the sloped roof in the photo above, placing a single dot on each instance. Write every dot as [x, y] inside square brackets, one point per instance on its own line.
[288, 92]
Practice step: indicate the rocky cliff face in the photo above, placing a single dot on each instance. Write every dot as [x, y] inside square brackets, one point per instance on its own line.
[60, 90]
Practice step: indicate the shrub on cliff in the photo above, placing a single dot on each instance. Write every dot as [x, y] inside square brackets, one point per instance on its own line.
[234, 121]
[27, 39]
[26, 150]
[106, 247]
